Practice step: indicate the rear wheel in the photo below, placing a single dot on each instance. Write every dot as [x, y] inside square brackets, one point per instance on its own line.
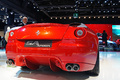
[110, 46]
[95, 70]
[24, 67]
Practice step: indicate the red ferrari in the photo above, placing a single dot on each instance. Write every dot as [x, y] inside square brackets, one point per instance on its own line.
[72, 48]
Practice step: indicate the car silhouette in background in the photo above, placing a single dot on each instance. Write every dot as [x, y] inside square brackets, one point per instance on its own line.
[111, 45]
[118, 42]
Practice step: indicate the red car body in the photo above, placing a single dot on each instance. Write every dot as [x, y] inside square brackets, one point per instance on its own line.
[118, 42]
[65, 48]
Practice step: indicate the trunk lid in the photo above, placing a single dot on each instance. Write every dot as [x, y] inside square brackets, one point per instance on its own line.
[42, 31]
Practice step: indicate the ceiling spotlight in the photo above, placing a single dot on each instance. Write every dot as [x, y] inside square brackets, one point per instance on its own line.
[91, 2]
[101, 4]
[60, 17]
[3, 21]
[75, 5]
[94, 17]
[17, 20]
[79, 17]
[98, 1]
[28, 2]
[2, 9]
[33, 3]
[51, 7]
[107, 16]
[7, 16]
[112, 11]
[108, 11]
[105, 1]
[113, 4]
[99, 11]
[38, 10]
[84, 17]
[113, 17]
[14, 20]
[20, 16]
[55, 17]
[76, 1]
[51, 18]
[118, 16]
[103, 16]
[98, 16]
[70, 17]
[6, 22]
[11, 12]
[89, 17]
[108, 3]
[33, 21]
[64, 17]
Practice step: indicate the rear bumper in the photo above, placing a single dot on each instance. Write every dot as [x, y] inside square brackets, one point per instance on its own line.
[35, 61]
[62, 52]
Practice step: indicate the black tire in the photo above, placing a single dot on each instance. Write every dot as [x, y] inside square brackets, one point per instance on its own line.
[110, 46]
[96, 70]
[24, 67]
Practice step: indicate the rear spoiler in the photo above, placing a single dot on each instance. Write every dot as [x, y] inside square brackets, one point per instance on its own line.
[78, 25]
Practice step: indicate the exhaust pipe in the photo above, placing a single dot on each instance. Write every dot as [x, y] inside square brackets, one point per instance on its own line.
[10, 62]
[69, 67]
[76, 67]
[72, 67]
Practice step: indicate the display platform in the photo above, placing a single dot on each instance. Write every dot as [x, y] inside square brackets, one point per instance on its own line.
[109, 70]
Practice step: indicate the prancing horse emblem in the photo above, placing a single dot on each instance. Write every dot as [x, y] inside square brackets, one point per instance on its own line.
[37, 32]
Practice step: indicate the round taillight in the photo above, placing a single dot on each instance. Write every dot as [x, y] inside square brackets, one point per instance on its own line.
[79, 32]
[11, 34]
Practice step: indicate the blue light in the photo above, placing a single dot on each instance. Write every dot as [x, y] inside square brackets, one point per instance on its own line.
[116, 29]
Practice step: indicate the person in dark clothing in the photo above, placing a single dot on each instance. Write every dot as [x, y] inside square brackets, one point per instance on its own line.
[24, 21]
[0, 38]
[104, 37]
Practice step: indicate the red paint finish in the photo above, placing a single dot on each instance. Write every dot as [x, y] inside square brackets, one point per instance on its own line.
[118, 42]
[98, 28]
[66, 47]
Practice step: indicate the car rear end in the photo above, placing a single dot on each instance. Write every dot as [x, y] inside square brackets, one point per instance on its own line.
[56, 45]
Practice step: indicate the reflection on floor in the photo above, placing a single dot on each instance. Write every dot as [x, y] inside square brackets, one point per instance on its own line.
[109, 70]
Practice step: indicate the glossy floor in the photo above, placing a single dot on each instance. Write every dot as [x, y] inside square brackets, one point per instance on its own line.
[109, 70]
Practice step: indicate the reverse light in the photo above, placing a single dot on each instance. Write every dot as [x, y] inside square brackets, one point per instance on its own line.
[79, 32]
[11, 34]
